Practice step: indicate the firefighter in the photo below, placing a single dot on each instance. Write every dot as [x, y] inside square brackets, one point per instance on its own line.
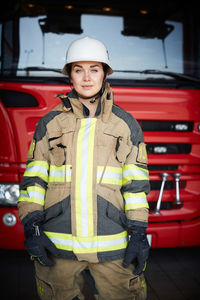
[83, 194]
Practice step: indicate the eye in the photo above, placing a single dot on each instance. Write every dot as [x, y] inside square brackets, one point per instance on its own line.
[94, 70]
[78, 70]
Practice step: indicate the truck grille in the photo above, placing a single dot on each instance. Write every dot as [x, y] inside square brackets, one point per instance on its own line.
[167, 126]
[169, 185]
[162, 167]
[164, 205]
[155, 148]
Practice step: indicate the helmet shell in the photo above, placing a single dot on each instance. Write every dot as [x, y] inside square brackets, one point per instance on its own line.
[87, 49]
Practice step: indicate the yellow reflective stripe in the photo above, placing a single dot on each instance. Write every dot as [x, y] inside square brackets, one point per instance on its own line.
[140, 196]
[78, 178]
[37, 168]
[36, 189]
[84, 178]
[32, 200]
[40, 288]
[112, 175]
[88, 239]
[60, 173]
[133, 172]
[135, 200]
[89, 244]
[90, 178]
[33, 194]
[135, 206]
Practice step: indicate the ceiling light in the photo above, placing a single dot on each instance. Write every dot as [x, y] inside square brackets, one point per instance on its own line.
[144, 11]
[106, 8]
[31, 5]
[68, 6]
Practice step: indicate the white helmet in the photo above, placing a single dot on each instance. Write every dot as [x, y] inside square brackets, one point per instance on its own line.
[87, 49]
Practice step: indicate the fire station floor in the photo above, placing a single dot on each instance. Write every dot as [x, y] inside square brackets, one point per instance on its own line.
[171, 274]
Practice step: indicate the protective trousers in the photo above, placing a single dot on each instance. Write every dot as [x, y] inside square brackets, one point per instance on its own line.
[63, 281]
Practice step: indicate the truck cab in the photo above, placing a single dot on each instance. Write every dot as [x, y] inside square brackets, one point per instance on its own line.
[154, 51]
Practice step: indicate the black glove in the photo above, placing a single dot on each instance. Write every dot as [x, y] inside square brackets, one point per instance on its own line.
[37, 243]
[138, 250]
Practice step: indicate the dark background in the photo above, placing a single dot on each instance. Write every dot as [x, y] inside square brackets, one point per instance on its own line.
[171, 274]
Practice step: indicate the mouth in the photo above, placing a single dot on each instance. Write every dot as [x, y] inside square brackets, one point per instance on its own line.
[86, 87]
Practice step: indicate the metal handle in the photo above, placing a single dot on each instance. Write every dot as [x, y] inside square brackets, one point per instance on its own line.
[158, 205]
[177, 202]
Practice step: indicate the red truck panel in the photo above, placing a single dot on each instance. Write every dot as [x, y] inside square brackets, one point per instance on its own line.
[174, 227]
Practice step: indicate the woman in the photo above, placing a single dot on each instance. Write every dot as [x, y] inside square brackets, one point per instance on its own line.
[84, 188]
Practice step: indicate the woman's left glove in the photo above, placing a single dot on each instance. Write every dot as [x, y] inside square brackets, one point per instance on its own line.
[37, 243]
[137, 251]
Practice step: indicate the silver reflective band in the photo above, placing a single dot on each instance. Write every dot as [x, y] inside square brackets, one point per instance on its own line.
[84, 178]
[90, 244]
[136, 200]
[61, 173]
[37, 169]
[34, 194]
[135, 172]
[93, 244]
[109, 175]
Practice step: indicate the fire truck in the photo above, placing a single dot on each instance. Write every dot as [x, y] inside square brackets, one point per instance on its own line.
[154, 49]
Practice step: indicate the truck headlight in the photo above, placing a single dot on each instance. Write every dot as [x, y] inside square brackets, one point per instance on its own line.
[181, 127]
[9, 194]
[160, 149]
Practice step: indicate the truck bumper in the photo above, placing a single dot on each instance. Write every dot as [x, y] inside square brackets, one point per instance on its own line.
[175, 234]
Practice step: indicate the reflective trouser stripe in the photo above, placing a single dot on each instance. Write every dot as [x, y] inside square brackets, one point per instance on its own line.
[37, 169]
[89, 244]
[33, 194]
[84, 178]
[135, 200]
[60, 174]
[111, 175]
[133, 172]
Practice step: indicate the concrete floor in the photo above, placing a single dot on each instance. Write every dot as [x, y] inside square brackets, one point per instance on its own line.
[172, 274]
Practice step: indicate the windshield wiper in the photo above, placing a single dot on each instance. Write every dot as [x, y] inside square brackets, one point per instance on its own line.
[159, 72]
[41, 69]
[171, 74]
[27, 69]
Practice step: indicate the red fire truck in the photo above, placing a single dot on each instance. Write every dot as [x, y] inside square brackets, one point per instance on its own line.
[154, 49]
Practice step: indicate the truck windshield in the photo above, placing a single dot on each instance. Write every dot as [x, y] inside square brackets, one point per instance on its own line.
[35, 43]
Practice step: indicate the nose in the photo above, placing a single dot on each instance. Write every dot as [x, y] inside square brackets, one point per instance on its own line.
[86, 75]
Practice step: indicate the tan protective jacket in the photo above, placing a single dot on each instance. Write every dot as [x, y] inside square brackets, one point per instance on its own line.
[87, 174]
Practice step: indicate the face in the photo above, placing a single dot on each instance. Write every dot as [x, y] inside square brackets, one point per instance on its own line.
[87, 77]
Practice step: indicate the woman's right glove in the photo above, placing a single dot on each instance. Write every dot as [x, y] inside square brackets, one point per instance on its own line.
[37, 243]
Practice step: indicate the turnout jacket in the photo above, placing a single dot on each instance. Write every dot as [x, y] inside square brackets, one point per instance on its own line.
[89, 175]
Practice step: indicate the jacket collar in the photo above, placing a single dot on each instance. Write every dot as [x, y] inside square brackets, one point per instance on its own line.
[104, 107]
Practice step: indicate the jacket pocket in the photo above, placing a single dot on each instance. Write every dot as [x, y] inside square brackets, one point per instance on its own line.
[116, 215]
[138, 287]
[57, 149]
[58, 217]
[122, 150]
[58, 156]
[44, 289]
